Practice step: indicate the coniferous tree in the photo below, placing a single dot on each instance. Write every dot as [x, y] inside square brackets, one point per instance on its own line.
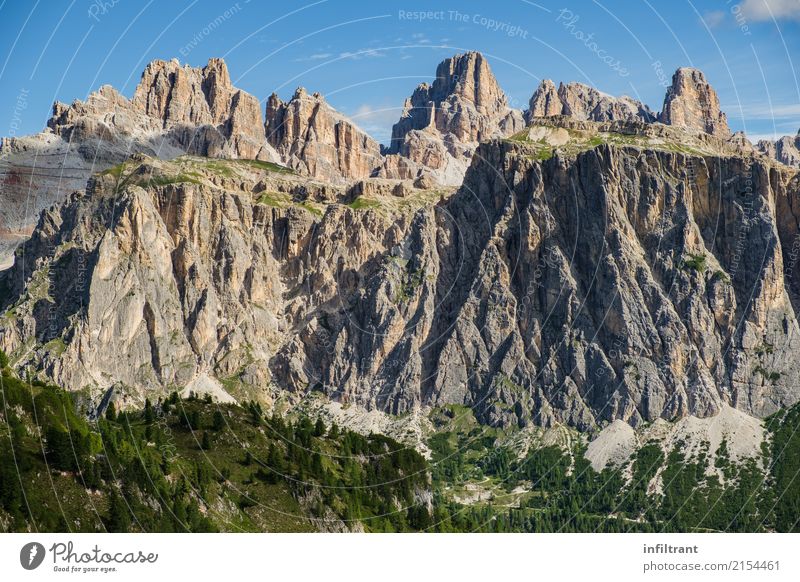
[218, 422]
[275, 459]
[119, 518]
[59, 449]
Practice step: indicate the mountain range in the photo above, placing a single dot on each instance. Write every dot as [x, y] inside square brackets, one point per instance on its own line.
[584, 261]
[218, 315]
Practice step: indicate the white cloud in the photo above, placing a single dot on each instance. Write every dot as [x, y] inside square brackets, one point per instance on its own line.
[420, 38]
[767, 9]
[369, 114]
[315, 57]
[757, 137]
[714, 18]
[362, 54]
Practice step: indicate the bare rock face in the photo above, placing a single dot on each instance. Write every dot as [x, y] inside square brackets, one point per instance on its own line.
[442, 123]
[205, 113]
[545, 101]
[610, 282]
[191, 281]
[786, 150]
[585, 103]
[691, 102]
[312, 137]
[175, 110]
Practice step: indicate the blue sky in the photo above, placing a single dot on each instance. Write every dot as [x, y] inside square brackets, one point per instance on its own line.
[366, 57]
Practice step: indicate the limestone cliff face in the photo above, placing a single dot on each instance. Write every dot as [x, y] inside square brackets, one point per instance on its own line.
[206, 114]
[312, 137]
[175, 110]
[614, 285]
[613, 282]
[442, 123]
[545, 101]
[190, 109]
[583, 102]
[692, 103]
[152, 286]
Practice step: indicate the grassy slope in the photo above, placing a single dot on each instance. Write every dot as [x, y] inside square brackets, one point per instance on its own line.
[192, 466]
[199, 466]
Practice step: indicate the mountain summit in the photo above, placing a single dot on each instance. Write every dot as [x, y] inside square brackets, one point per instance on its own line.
[692, 103]
[442, 123]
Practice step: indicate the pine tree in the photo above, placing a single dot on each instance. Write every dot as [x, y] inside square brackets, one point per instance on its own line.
[149, 415]
[333, 433]
[275, 459]
[119, 519]
[59, 449]
[218, 421]
[111, 412]
[206, 445]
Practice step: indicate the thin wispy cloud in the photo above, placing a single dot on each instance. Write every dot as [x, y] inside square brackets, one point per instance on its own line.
[757, 137]
[315, 57]
[714, 18]
[362, 54]
[420, 38]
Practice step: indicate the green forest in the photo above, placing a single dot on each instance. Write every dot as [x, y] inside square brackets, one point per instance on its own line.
[190, 464]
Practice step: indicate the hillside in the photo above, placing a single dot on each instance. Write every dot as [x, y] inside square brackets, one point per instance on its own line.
[193, 465]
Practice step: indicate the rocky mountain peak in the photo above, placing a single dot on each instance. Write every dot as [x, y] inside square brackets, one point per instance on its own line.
[217, 88]
[691, 102]
[442, 123]
[311, 136]
[183, 94]
[545, 101]
[583, 102]
[786, 149]
[468, 77]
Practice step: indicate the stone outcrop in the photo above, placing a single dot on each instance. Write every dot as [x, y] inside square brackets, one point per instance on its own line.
[175, 110]
[583, 102]
[311, 136]
[692, 103]
[442, 123]
[545, 101]
[193, 272]
[204, 112]
[786, 150]
[174, 107]
[629, 282]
